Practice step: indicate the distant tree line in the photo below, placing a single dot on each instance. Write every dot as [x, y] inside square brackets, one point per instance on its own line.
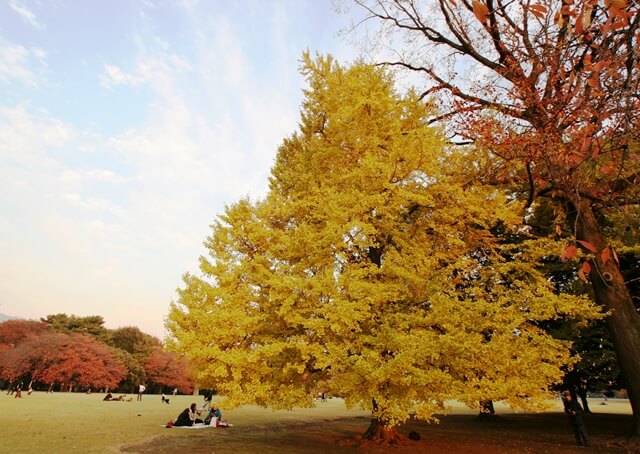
[69, 353]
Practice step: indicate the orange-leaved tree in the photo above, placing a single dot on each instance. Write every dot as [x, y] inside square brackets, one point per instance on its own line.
[12, 332]
[69, 360]
[168, 370]
[550, 88]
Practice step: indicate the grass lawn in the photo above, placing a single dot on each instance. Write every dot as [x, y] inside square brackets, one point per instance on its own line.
[83, 423]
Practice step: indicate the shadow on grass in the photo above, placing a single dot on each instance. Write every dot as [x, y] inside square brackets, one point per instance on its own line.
[538, 433]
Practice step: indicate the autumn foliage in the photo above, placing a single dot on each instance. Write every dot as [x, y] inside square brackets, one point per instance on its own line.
[78, 353]
[168, 370]
[372, 271]
[12, 332]
[548, 88]
[68, 360]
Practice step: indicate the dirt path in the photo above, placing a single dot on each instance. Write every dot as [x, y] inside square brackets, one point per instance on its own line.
[464, 434]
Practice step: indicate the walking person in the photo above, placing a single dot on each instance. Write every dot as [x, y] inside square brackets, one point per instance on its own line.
[574, 410]
[141, 389]
[18, 391]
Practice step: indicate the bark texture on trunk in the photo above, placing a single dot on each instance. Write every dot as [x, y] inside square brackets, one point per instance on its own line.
[486, 407]
[380, 433]
[487, 412]
[612, 294]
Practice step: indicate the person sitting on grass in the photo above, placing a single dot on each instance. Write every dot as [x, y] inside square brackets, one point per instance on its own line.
[214, 412]
[165, 399]
[188, 417]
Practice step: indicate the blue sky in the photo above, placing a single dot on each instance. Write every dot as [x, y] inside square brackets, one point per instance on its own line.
[125, 127]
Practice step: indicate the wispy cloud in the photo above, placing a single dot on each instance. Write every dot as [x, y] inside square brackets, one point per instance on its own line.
[94, 204]
[104, 175]
[15, 63]
[26, 14]
[113, 76]
[27, 136]
[145, 71]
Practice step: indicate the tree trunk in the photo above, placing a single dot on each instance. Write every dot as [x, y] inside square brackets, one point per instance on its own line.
[486, 407]
[380, 433]
[585, 403]
[487, 412]
[613, 295]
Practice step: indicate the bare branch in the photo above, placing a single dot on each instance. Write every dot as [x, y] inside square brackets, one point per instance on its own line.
[456, 91]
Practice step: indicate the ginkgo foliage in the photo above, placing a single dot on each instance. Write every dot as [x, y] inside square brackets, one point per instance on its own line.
[370, 271]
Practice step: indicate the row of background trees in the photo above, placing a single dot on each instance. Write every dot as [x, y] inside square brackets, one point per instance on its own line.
[71, 353]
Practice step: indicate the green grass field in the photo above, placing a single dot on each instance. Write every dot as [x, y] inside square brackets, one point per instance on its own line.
[83, 423]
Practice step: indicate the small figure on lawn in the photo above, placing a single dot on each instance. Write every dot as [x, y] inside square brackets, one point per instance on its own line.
[574, 410]
[165, 399]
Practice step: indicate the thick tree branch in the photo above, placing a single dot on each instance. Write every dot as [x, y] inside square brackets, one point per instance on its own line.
[532, 186]
[621, 184]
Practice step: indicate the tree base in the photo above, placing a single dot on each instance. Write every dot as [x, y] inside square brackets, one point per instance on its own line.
[380, 434]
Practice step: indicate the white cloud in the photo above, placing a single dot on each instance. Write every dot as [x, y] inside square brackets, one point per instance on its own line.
[94, 204]
[40, 55]
[27, 137]
[113, 75]
[26, 14]
[104, 175]
[145, 72]
[49, 206]
[15, 63]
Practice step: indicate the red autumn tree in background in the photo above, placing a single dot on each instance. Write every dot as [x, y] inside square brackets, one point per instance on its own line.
[68, 360]
[550, 89]
[79, 352]
[168, 370]
[13, 332]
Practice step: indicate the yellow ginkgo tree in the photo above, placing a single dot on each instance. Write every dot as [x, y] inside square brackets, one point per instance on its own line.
[370, 271]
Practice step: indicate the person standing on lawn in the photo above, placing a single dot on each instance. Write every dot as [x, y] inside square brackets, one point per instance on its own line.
[574, 410]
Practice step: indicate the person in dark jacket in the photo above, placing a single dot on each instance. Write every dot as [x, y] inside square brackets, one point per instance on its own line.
[187, 417]
[574, 410]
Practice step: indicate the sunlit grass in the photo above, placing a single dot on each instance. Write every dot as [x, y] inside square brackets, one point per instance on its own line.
[76, 422]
